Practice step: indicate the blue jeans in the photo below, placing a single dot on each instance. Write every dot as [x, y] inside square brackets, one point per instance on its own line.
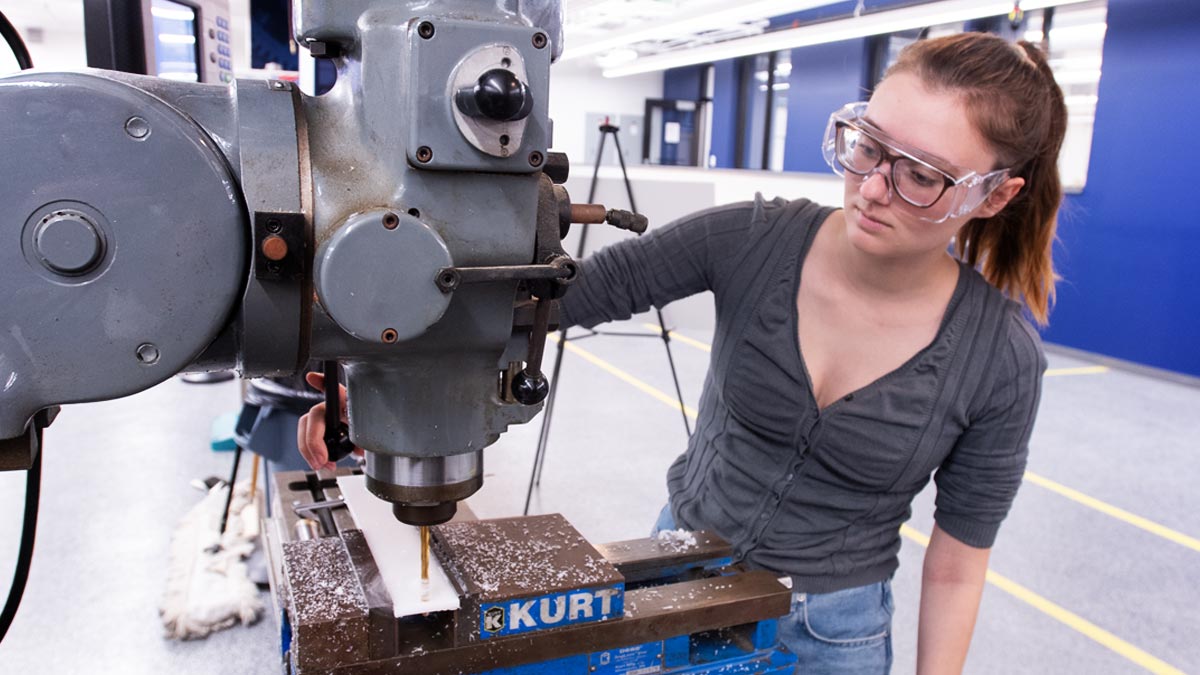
[843, 632]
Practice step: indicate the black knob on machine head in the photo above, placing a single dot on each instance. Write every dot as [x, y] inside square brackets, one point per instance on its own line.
[498, 95]
[530, 390]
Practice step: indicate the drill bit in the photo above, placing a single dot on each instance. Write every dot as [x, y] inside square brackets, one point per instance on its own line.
[424, 563]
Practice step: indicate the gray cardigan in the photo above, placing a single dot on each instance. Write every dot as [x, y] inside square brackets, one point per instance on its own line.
[820, 494]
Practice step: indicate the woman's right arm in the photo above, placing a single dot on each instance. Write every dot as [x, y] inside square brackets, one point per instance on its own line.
[688, 256]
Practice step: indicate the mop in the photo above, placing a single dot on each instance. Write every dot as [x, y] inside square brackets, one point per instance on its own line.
[208, 588]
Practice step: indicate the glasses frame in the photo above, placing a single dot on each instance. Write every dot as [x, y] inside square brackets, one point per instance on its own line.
[852, 116]
[889, 155]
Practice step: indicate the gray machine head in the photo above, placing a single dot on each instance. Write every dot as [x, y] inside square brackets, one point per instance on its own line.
[404, 224]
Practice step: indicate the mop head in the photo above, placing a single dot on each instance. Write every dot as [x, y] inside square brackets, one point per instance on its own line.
[208, 588]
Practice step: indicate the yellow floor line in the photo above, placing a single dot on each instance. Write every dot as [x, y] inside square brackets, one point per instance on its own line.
[1081, 370]
[691, 342]
[1064, 616]
[1073, 495]
[1005, 584]
[1110, 510]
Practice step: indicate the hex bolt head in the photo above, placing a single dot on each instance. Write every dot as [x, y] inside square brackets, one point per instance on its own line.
[137, 128]
[148, 354]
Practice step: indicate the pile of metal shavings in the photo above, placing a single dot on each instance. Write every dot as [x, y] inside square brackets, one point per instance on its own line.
[513, 556]
[323, 581]
[676, 541]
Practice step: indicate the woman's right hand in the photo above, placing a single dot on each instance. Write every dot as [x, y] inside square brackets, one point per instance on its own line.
[310, 431]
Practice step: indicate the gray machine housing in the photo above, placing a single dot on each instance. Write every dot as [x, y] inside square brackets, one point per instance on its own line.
[157, 227]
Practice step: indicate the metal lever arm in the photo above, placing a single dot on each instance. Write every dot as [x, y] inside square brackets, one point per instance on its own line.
[337, 432]
[530, 386]
[561, 269]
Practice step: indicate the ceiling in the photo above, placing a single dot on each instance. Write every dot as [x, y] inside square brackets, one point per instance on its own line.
[594, 23]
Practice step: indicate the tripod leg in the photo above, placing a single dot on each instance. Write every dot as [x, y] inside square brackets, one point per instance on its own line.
[666, 336]
[544, 441]
[539, 457]
[624, 173]
[596, 169]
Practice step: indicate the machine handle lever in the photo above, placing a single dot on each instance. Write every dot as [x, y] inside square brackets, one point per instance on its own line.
[530, 386]
[337, 433]
[561, 269]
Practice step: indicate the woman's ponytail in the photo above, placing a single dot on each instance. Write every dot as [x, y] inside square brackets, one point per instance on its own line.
[1018, 108]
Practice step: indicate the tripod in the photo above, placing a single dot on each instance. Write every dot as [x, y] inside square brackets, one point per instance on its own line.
[539, 459]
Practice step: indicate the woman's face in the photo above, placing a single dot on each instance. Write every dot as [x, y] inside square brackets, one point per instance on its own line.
[878, 221]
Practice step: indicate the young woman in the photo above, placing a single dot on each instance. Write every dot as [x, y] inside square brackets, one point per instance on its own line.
[855, 355]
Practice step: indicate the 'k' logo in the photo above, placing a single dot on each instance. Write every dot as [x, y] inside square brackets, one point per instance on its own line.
[493, 619]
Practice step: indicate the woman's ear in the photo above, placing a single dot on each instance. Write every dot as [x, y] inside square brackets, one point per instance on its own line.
[1000, 197]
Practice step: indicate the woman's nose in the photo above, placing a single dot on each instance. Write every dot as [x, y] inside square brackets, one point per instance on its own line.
[875, 185]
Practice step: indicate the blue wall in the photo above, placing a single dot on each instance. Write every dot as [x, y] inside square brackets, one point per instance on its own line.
[1129, 248]
[823, 79]
[683, 83]
[725, 93]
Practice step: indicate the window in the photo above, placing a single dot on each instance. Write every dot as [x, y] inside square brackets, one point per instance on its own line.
[763, 111]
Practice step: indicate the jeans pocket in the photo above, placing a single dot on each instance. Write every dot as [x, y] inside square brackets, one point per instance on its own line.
[855, 617]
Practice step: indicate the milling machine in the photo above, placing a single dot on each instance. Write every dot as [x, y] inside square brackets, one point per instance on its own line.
[407, 224]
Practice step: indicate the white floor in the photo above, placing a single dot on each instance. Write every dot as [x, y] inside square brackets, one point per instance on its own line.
[1080, 590]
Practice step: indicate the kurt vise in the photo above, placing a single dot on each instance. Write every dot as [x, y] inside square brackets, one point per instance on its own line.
[535, 598]
[406, 224]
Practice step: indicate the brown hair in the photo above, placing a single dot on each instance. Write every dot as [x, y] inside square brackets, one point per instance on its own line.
[1018, 108]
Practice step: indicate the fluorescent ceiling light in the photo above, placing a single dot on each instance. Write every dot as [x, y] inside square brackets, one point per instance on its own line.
[173, 14]
[617, 57]
[1087, 32]
[1077, 76]
[877, 23]
[690, 24]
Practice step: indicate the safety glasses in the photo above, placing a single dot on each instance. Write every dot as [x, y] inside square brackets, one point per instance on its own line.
[854, 145]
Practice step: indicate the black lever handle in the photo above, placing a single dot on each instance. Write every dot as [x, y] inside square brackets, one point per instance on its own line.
[337, 433]
[530, 386]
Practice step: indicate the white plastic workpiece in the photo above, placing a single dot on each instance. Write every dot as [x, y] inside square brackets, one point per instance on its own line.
[396, 548]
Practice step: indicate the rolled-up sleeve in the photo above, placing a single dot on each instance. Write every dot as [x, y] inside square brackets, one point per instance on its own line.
[978, 481]
[685, 257]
